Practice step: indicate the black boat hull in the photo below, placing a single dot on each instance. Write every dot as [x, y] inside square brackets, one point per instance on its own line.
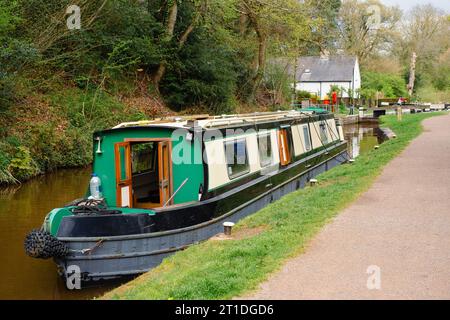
[109, 257]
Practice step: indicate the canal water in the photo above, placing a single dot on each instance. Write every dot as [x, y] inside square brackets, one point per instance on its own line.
[362, 138]
[24, 208]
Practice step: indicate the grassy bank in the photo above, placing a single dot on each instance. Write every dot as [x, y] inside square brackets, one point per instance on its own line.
[46, 131]
[54, 130]
[225, 269]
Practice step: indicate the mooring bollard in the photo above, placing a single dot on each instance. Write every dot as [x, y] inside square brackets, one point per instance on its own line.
[361, 112]
[227, 226]
[312, 182]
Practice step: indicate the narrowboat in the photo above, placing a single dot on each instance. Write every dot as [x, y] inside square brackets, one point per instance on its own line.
[163, 185]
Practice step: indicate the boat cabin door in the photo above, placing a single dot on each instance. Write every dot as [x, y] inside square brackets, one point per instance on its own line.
[143, 173]
[283, 145]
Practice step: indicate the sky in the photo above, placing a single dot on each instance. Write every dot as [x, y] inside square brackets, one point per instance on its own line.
[408, 4]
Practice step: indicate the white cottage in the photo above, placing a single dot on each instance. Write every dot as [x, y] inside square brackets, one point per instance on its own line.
[317, 75]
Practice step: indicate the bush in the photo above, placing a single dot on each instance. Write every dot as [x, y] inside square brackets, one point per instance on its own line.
[203, 74]
[14, 56]
[303, 95]
[441, 80]
[7, 91]
[278, 83]
[22, 166]
[391, 86]
[122, 38]
[8, 18]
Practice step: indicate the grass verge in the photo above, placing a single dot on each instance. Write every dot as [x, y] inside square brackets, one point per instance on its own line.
[225, 269]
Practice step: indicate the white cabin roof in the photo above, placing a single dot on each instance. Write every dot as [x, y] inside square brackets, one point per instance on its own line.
[206, 121]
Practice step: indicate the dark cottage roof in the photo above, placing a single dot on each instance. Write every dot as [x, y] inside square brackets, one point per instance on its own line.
[331, 69]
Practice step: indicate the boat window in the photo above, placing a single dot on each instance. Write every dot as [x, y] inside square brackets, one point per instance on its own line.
[323, 133]
[143, 157]
[236, 157]
[307, 138]
[265, 150]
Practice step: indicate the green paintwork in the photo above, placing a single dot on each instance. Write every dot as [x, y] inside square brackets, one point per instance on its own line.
[315, 110]
[104, 163]
[54, 218]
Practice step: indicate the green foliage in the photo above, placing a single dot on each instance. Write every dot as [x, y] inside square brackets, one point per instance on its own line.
[203, 74]
[430, 94]
[277, 83]
[343, 109]
[22, 165]
[325, 32]
[441, 79]
[91, 109]
[7, 91]
[303, 95]
[390, 86]
[16, 162]
[8, 17]
[335, 88]
[6, 152]
[44, 146]
[122, 44]
[121, 39]
[14, 53]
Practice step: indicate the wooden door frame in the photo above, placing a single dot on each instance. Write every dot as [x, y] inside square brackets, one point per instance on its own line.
[143, 140]
[163, 201]
[118, 167]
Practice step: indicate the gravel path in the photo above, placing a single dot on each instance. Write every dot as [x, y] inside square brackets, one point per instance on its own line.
[401, 226]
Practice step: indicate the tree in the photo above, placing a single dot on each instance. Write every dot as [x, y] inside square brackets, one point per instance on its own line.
[200, 7]
[367, 28]
[425, 40]
[323, 25]
[278, 25]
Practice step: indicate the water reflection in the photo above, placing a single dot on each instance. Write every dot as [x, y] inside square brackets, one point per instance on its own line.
[23, 209]
[362, 138]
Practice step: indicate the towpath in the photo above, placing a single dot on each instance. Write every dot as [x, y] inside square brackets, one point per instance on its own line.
[392, 243]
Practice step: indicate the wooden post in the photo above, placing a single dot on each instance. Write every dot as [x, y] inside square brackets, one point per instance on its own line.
[399, 113]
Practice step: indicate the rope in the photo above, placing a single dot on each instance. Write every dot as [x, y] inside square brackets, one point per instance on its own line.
[92, 207]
